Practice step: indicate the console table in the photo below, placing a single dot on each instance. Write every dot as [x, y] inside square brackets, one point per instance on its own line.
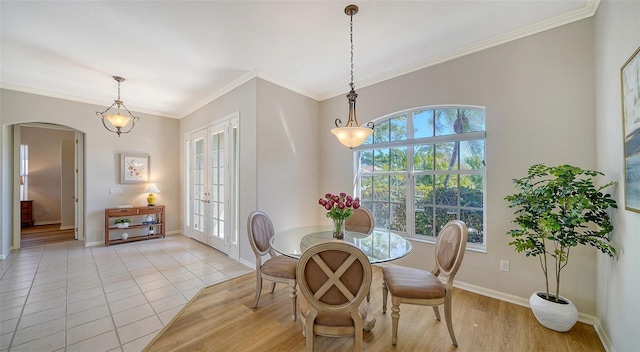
[139, 229]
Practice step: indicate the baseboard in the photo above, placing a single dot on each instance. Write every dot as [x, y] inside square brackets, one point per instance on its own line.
[582, 317]
[174, 232]
[606, 343]
[93, 244]
[247, 263]
[50, 222]
[67, 227]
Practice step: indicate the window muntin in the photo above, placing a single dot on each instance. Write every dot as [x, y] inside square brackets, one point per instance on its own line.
[427, 162]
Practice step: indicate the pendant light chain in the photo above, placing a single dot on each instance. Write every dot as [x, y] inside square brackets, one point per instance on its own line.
[351, 38]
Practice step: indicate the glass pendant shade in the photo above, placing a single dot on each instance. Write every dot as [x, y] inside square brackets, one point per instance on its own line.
[118, 121]
[352, 136]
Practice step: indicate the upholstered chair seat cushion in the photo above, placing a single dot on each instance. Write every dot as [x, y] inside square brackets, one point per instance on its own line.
[328, 319]
[413, 283]
[280, 266]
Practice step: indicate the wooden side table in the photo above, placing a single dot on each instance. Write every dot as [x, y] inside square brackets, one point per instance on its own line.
[26, 211]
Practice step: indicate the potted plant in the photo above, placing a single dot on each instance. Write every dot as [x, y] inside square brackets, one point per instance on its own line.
[122, 223]
[556, 209]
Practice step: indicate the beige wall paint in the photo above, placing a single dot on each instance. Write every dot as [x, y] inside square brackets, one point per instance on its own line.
[241, 100]
[617, 36]
[288, 150]
[153, 135]
[538, 94]
[278, 152]
[45, 166]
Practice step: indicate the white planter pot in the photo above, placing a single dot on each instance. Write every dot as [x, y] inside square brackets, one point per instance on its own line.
[555, 316]
[122, 225]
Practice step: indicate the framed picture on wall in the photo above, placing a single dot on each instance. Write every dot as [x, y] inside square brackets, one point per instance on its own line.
[134, 168]
[630, 79]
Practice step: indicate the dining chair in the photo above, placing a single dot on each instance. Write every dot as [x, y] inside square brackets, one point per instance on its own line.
[361, 220]
[278, 268]
[415, 286]
[334, 277]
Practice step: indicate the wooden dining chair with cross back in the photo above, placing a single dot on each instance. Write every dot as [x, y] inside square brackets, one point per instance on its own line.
[334, 278]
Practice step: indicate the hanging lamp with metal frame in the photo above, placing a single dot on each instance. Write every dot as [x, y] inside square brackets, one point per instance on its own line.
[352, 134]
[118, 121]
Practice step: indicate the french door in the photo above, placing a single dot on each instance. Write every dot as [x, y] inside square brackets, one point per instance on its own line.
[212, 186]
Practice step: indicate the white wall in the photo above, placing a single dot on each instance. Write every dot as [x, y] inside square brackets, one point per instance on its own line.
[617, 36]
[156, 136]
[539, 98]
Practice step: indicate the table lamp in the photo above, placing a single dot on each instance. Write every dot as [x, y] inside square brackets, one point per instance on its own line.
[151, 188]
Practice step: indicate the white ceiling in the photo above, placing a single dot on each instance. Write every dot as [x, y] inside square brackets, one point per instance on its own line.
[178, 55]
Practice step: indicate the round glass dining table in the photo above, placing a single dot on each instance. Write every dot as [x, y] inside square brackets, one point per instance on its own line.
[379, 246]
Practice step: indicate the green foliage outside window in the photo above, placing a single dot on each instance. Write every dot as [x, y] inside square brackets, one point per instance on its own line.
[446, 177]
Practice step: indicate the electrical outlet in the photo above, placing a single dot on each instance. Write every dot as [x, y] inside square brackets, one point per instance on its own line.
[504, 265]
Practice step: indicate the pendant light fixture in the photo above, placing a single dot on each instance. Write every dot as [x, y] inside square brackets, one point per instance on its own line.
[352, 135]
[118, 121]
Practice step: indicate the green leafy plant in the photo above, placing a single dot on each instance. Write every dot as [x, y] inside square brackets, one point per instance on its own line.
[558, 208]
[122, 221]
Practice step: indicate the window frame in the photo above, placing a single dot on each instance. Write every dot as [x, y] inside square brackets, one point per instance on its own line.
[410, 173]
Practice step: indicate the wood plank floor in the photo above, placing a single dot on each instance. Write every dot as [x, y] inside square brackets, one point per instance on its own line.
[220, 318]
[44, 234]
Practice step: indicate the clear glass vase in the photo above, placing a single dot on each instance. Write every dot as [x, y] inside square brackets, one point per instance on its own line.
[339, 226]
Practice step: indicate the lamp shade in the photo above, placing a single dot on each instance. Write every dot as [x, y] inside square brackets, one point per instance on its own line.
[118, 121]
[151, 187]
[352, 136]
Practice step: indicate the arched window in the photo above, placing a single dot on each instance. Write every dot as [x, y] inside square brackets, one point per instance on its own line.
[423, 167]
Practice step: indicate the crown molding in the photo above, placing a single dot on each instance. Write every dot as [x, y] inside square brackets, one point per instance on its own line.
[244, 79]
[57, 95]
[587, 11]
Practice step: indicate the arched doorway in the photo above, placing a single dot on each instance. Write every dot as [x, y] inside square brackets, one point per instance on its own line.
[57, 181]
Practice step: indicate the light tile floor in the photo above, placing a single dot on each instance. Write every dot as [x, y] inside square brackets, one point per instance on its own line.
[65, 297]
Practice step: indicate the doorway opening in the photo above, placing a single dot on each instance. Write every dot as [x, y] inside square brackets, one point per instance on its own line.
[51, 182]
